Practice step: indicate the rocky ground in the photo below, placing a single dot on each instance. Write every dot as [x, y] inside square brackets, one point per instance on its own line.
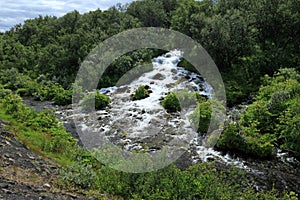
[27, 175]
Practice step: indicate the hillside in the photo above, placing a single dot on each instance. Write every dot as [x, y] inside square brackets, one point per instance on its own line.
[29, 175]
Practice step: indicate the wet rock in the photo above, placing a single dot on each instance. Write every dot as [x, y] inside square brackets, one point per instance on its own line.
[4, 185]
[147, 87]
[47, 186]
[187, 77]
[158, 76]
[122, 90]
[174, 71]
[184, 161]
[159, 60]
[168, 55]
[139, 117]
[7, 191]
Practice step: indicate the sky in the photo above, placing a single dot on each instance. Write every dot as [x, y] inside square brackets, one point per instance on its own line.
[13, 12]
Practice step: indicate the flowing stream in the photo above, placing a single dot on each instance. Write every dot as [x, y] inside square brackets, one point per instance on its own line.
[145, 125]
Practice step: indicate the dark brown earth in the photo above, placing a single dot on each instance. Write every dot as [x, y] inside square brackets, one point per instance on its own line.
[27, 175]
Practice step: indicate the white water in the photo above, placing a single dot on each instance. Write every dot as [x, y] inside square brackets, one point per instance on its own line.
[144, 124]
[146, 118]
[143, 120]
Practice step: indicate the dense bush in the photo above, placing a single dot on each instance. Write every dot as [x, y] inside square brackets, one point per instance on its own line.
[38, 88]
[94, 101]
[4, 92]
[171, 103]
[202, 116]
[231, 138]
[208, 115]
[63, 97]
[200, 181]
[271, 121]
[140, 93]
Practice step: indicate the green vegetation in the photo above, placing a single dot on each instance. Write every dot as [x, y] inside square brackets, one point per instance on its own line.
[246, 39]
[39, 88]
[201, 181]
[41, 132]
[272, 120]
[140, 93]
[94, 101]
[255, 45]
[171, 103]
[185, 64]
[202, 116]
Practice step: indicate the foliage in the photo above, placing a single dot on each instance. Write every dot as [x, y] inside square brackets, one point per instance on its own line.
[151, 13]
[94, 101]
[186, 65]
[39, 130]
[200, 181]
[207, 116]
[171, 103]
[202, 116]
[39, 88]
[140, 93]
[246, 39]
[231, 138]
[4, 92]
[270, 121]
[63, 97]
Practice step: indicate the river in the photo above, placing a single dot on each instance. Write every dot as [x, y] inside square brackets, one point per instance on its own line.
[145, 125]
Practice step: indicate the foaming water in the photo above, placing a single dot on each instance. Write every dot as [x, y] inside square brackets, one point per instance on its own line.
[144, 124]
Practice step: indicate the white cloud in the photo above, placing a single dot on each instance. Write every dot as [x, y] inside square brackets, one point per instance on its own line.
[13, 12]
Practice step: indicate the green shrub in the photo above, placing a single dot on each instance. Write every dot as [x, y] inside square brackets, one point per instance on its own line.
[208, 116]
[247, 140]
[288, 128]
[257, 145]
[60, 141]
[186, 65]
[43, 120]
[200, 181]
[171, 103]
[188, 99]
[4, 92]
[94, 101]
[201, 117]
[13, 105]
[231, 138]
[273, 119]
[258, 115]
[276, 104]
[81, 175]
[63, 97]
[140, 93]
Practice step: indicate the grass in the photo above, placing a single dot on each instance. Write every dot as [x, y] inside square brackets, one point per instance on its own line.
[33, 139]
